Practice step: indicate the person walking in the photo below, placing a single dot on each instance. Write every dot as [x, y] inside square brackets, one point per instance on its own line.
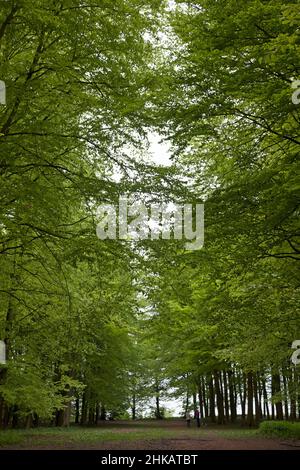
[197, 416]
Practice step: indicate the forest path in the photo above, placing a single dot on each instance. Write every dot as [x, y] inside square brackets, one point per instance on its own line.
[151, 435]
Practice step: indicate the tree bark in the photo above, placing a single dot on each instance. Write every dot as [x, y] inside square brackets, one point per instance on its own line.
[212, 411]
[258, 411]
[103, 413]
[97, 413]
[63, 416]
[276, 389]
[77, 411]
[4, 409]
[133, 408]
[205, 398]
[157, 401]
[292, 396]
[200, 397]
[266, 400]
[250, 416]
[285, 391]
[83, 418]
[242, 387]
[91, 413]
[232, 401]
[226, 401]
[219, 396]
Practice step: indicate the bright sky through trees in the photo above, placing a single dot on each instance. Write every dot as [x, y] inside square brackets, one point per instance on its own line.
[209, 84]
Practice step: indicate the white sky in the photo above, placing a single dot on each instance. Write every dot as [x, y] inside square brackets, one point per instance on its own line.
[159, 151]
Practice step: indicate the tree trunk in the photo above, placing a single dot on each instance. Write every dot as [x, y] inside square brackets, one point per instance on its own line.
[157, 401]
[77, 411]
[35, 420]
[63, 416]
[194, 403]
[276, 389]
[200, 396]
[103, 413]
[15, 417]
[4, 409]
[91, 413]
[250, 417]
[212, 411]
[266, 400]
[204, 395]
[226, 401]
[285, 391]
[133, 408]
[232, 401]
[28, 421]
[83, 419]
[258, 411]
[242, 387]
[97, 413]
[220, 404]
[292, 396]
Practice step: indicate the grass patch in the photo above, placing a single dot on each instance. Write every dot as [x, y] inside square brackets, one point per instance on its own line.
[73, 436]
[65, 436]
[280, 429]
[11, 436]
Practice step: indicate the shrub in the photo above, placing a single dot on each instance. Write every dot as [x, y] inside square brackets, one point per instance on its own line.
[280, 429]
[10, 437]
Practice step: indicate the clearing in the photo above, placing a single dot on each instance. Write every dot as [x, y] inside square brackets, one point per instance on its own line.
[145, 435]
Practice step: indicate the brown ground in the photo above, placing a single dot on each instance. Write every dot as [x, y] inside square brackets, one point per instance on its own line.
[212, 443]
[206, 438]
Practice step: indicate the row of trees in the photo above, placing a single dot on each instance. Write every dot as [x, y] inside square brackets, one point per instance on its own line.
[93, 326]
[77, 78]
[226, 316]
[226, 396]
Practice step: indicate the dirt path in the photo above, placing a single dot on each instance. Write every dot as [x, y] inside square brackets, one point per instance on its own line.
[206, 438]
[201, 444]
[174, 444]
[210, 442]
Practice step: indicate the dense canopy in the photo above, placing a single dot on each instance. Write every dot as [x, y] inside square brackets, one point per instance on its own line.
[95, 327]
